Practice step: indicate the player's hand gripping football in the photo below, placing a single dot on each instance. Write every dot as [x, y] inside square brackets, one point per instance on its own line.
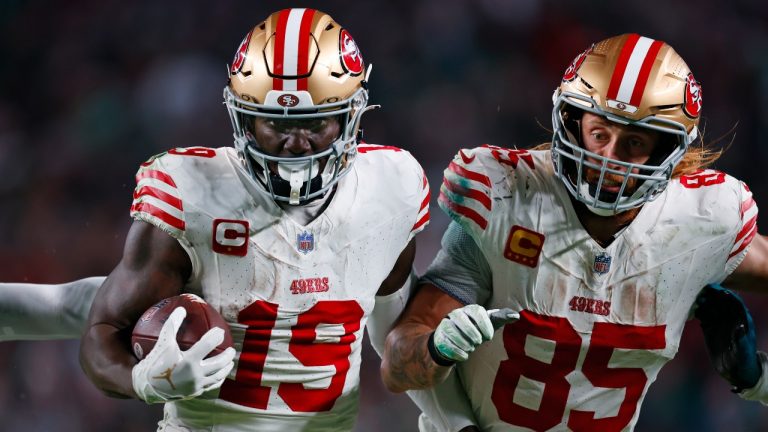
[167, 373]
[730, 336]
[463, 330]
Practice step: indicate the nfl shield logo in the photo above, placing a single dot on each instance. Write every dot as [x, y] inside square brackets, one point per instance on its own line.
[305, 242]
[602, 264]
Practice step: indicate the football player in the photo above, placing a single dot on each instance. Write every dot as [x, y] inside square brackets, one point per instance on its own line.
[596, 245]
[283, 234]
[293, 235]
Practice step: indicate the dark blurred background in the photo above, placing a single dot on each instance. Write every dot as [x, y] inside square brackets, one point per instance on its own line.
[90, 89]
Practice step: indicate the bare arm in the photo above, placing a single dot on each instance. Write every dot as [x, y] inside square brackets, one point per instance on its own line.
[153, 267]
[407, 363]
[752, 273]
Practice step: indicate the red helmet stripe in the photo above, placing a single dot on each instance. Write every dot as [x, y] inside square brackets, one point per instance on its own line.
[305, 37]
[291, 54]
[630, 76]
[621, 65]
[279, 49]
[645, 71]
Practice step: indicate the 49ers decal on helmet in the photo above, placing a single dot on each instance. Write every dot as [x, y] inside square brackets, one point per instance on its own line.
[570, 73]
[239, 60]
[288, 100]
[692, 107]
[351, 59]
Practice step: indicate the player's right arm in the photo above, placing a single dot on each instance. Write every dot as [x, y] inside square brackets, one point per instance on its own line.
[444, 322]
[154, 266]
[407, 363]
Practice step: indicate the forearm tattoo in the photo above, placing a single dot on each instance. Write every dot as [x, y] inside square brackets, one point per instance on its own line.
[410, 365]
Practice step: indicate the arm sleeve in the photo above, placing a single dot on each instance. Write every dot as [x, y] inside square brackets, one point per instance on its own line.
[386, 311]
[444, 406]
[746, 232]
[46, 312]
[460, 268]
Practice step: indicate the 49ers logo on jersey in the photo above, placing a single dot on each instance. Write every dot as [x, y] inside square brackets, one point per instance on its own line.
[693, 100]
[230, 237]
[351, 59]
[239, 60]
[309, 285]
[570, 73]
[524, 246]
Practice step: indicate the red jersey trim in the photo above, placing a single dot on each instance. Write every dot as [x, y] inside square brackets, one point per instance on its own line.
[461, 210]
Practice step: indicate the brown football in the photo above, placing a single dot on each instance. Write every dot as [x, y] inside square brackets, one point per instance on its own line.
[200, 318]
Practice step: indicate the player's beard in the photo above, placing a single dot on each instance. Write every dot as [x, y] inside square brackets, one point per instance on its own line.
[611, 184]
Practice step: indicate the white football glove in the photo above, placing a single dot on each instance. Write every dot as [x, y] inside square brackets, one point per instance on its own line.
[464, 329]
[167, 373]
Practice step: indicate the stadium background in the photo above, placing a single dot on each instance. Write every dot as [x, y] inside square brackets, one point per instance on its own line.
[90, 89]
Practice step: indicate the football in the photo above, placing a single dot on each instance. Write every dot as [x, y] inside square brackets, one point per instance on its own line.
[200, 318]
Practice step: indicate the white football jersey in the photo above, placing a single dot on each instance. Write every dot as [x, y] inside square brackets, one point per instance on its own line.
[297, 296]
[597, 324]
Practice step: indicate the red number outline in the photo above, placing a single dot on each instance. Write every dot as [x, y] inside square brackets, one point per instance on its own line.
[260, 317]
[702, 178]
[606, 337]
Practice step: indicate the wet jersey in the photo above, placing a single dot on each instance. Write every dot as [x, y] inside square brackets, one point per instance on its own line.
[597, 323]
[296, 296]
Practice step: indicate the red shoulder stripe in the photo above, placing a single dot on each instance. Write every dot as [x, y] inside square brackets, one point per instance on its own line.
[747, 240]
[157, 175]
[424, 219]
[475, 194]
[463, 211]
[750, 225]
[158, 213]
[458, 169]
[425, 202]
[747, 204]
[159, 194]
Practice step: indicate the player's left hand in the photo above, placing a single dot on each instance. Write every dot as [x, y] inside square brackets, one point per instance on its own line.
[730, 336]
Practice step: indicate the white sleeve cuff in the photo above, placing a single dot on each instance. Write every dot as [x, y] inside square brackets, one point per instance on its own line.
[445, 406]
[760, 391]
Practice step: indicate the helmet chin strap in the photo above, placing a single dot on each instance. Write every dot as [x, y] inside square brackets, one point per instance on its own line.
[296, 175]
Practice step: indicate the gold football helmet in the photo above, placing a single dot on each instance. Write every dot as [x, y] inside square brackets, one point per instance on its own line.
[297, 64]
[630, 80]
